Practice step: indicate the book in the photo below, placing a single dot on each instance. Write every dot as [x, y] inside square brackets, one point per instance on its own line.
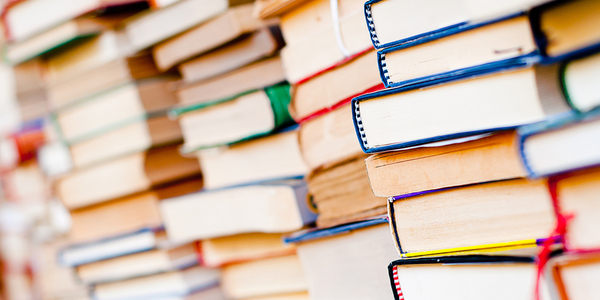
[137, 173]
[255, 76]
[265, 9]
[572, 275]
[563, 29]
[139, 136]
[63, 35]
[328, 139]
[249, 115]
[115, 108]
[271, 207]
[78, 254]
[578, 84]
[575, 196]
[231, 56]
[310, 37]
[477, 48]
[422, 113]
[432, 167]
[125, 215]
[268, 158]
[559, 145]
[334, 88]
[89, 55]
[264, 277]
[171, 284]
[138, 265]
[393, 22]
[495, 277]
[25, 19]
[152, 27]
[342, 193]
[225, 250]
[101, 78]
[488, 217]
[334, 272]
[234, 23]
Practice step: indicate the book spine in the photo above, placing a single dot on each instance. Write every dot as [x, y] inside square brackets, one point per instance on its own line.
[393, 228]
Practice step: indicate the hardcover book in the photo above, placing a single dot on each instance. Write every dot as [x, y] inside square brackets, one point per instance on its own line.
[560, 144]
[270, 207]
[164, 285]
[565, 29]
[478, 48]
[268, 158]
[483, 158]
[466, 277]
[490, 217]
[394, 22]
[234, 23]
[232, 56]
[137, 173]
[573, 275]
[242, 117]
[264, 277]
[334, 272]
[579, 83]
[428, 112]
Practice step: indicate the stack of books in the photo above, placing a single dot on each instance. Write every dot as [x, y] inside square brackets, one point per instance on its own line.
[300, 149]
[482, 141]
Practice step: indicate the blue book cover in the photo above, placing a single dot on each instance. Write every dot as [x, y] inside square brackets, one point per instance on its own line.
[358, 123]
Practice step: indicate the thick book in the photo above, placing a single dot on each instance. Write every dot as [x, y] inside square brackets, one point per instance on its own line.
[565, 29]
[57, 37]
[264, 277]
[334, 272]
[329, 138]
[342, 193]
[242, 117]
[270, 207]
[336, 87]
[126, 215]
[575, 196]
[573, 275]
[239, 53]
[482, 158]
[234, 23]
[490, 217]
[268, 158]
[151, 27]
[90, 54]
[395, 22]
[138, 264]
[469, 277]
[85, 253]
[579, 85]
[99, 78]
[220, 251]
[136, 173]
[115, 108]
[428, 112]
[24, 19]
[310, 35]
[560, 144]
[479, 47]
[139, 136]
[169, 285]
[255, 76]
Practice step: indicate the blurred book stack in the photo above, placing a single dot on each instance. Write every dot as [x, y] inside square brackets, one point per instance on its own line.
[299, 149]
